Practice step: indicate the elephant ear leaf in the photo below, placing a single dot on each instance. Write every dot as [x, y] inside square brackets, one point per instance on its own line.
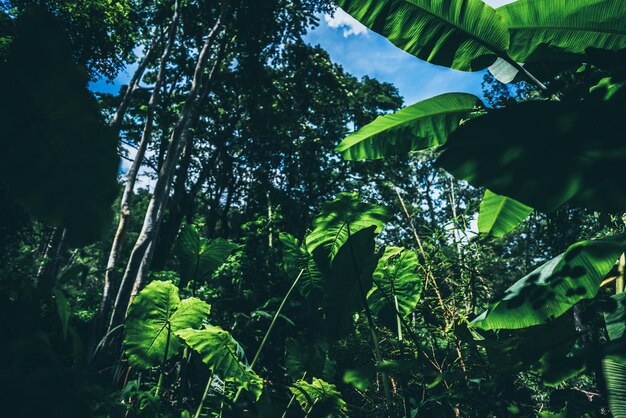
[500, 215]
[223, 354]
[464, 35]
[153, 319]
[319, 398]
[297, 258]
[349, 280]
[338, 219]
[538, 27]
[397, 285]
[555, 287]
[200, 257]
[420, 126]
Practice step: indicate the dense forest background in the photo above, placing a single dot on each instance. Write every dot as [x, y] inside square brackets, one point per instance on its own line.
[227, 132]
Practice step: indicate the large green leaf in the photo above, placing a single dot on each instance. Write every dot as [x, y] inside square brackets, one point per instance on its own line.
[153, 319]
[511, 351]
[397, 286]
[297, 258]
[544, 154]
[337, 220]
[570, 26]
[310, 358]
[200, 257]
[462, 34]
[500, 214]
[615, 377]
[58, 159]
[615, 317]
[556, 286]
[422, 125]
[349, 280]
[224, 356]
[614, 366]
[319, 399]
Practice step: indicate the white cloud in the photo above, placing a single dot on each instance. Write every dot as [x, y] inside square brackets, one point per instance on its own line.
[343, 20]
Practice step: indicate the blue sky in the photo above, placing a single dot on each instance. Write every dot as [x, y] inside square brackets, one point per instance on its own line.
[363, 52]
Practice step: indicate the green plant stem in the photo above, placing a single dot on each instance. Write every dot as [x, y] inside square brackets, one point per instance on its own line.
[311, 408]
[271, 327]
[167, 347]
[293, 396]
[204, 395]
[158, 386]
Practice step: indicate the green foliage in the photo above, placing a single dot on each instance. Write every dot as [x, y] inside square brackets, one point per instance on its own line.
[350, 279]
[154, 317]
[224, 356]
[337, 221]
[539, 28]
[519, 349]
[615, 373]
[464, 34]
[311, 359]
[63, 309]
[615, 317]
[422, 125]
[552, 153]
[552, 289]
[200, 257]
[58, 157]
[500, 215]
[319, 398]
[397, 285]
[297, 258]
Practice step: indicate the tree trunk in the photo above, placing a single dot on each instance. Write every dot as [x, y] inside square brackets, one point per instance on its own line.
[146, 135]
[185, 146]
[179, 137]
[118, 116]
[49, 266]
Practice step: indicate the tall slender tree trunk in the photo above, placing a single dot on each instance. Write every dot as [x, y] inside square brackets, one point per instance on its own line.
[179, 137]
[49, 266]
[133, 173]
[118, 116]
[185, 146]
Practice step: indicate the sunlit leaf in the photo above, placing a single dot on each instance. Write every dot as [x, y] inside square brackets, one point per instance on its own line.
[500, 214]
[397, 285]
[296, 259]
[422, 125]
[338, 219]
[153, 319]
[319, 399]
[463, 34]
[571, 26]
[224, 356]
[556, 286]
